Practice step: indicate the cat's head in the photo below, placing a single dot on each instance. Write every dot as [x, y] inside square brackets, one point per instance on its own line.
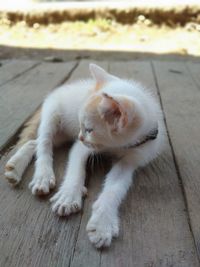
[108, 119]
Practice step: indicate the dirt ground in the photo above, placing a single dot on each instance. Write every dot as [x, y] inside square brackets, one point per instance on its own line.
[102, 34]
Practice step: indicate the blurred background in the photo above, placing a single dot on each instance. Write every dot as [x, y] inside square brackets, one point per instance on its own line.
[83, 29]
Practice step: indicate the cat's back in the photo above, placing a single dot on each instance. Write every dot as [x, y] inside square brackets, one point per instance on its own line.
[70, 96]
[66, 101]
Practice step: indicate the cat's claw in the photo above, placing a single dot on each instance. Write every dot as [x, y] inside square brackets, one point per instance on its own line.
[66, 202]
[66, 208]
[41, 185]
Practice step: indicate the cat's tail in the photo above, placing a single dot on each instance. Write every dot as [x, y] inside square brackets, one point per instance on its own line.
[30, 129]
[26, 148]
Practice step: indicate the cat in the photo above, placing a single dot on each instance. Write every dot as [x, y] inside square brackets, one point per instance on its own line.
[102, 114]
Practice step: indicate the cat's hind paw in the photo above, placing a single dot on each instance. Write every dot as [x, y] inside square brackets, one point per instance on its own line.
[11, 174]
[42, 184]
[17, 164]
[66, 202]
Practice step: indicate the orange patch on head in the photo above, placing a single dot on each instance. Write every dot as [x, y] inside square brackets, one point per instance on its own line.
[93, 103]
[137, 120]
[127, 105]
[98, 86]
[112, 113]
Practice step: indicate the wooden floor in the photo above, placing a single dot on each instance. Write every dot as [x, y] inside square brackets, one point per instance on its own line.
[160, 218]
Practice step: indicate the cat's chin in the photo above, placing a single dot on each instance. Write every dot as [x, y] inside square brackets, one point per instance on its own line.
[94, 147]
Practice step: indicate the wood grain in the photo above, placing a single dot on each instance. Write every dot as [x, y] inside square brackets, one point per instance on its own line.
[85, 254]
[180, 95]
[22, 96]
[154, 226]
[27, 225]
[14, 68]
[32, 234]
[154, 220]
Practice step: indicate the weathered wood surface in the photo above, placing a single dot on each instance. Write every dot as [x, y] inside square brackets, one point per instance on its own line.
[180, 93]
[155, 223]
[14, 68]
[156, 230]
[20, 97]
[35, 236]
[84, 253]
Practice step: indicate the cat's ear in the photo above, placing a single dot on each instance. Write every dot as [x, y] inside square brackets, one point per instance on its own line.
[113, 113]
[100, 75]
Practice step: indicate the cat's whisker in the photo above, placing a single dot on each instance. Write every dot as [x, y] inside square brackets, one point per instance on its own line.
[93, 162]
[101, 162]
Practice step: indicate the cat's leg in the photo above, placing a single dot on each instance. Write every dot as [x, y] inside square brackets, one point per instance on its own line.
[17, 164]
[104, 222]
[44, 178]
[69, 197]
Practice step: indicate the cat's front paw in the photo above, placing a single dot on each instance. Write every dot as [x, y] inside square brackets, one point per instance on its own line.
[102, 227]
[67, 201]
[42, 183]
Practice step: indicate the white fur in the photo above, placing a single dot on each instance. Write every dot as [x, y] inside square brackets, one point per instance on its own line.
[61, 112]
[19, 161]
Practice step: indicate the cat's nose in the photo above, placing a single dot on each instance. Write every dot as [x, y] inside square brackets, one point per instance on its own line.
[80, 137]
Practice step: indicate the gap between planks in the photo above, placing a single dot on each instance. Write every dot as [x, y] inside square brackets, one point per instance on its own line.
[14, 69]
[78, 234]
[65, 233]
[11, 143]
[174, 158]
[181, 114]
[109, 258]
[9, 137]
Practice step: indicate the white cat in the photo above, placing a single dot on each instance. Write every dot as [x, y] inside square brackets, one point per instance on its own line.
[105, 113]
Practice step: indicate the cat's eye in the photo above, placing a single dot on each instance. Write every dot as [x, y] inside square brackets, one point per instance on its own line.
[88, 130]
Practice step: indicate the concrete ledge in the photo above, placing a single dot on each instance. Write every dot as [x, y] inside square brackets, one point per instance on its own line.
[170, 13]
[10, 52]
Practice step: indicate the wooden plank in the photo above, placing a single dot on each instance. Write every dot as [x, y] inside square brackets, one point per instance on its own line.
[194, 71]
[154, 230]
[14, 68]
[85, 254]
[154, 227]
[21, 97]
[3, 62]
[38, 230]
[32, 234]
[181, 98]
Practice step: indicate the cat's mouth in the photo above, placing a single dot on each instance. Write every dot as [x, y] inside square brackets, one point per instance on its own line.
[93, 146]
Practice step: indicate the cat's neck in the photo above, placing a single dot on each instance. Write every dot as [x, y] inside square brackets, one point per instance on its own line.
[150, 136]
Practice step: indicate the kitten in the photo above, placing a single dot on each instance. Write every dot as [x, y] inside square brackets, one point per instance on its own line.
[103, 114]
